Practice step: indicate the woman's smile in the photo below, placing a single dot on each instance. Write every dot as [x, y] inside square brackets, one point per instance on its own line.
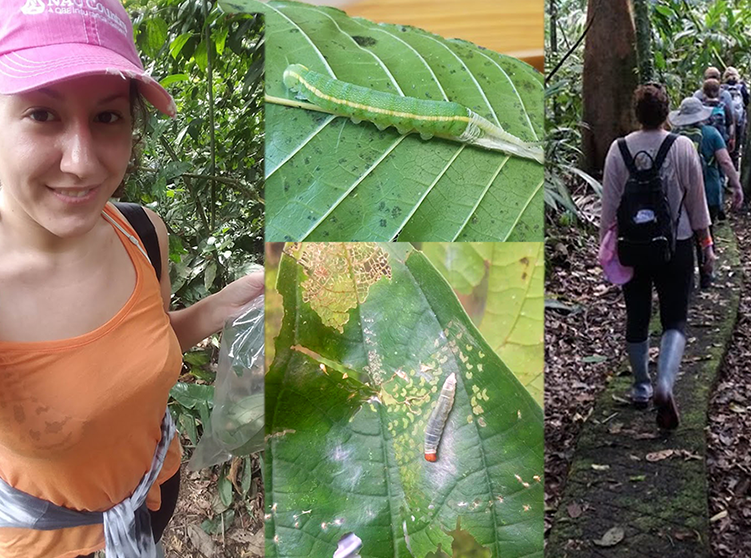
[75, 195]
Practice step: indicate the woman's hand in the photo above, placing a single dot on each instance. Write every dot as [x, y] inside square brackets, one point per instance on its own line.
[207, 316]
[709, 258]
[737, 198]
[234, 297]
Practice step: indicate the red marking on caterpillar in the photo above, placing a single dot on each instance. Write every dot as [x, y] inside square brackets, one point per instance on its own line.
[438, 418]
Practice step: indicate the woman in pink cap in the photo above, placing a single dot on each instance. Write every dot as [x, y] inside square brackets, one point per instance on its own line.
[88, 348]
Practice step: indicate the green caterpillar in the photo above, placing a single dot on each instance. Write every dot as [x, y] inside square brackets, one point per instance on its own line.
[407, 114]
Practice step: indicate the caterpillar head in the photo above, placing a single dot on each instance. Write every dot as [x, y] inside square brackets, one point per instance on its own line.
[292, 76]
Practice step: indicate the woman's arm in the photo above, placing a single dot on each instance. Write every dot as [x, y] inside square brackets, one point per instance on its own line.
[207, 316]
[729, 119]
[726, 164]
[691, 179]
[613, 180]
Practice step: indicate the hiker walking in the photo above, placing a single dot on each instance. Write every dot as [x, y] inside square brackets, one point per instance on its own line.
[739, 98]
[690, 121]
[88, 349]
[725, 102]
[653, 193]
[718, 114]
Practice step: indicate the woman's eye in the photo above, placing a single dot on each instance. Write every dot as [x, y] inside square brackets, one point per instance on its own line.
[41, 115]
[108, 117]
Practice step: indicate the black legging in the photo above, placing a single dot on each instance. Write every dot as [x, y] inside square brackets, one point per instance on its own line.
[673, 282]
[161, 517]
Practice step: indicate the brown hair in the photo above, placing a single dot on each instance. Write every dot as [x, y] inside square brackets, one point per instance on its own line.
[711, 88]
[651, 105]
[139, 116]
[711, 73]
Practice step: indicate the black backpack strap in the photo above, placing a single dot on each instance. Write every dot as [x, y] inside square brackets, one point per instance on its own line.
[145, 230]
[662, 153]
[626, 154]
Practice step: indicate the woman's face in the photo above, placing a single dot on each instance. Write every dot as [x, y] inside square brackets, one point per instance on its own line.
[63, 152]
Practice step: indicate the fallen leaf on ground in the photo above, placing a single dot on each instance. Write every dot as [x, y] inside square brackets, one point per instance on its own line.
[201, 540]
[613, 536]
[574, 510]
[659, 455]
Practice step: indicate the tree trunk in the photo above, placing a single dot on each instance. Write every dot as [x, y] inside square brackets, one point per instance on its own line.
[609, 80]
[643, 41]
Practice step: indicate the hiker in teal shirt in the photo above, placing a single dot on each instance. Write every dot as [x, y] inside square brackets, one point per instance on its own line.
[711, 143]
[689, 120]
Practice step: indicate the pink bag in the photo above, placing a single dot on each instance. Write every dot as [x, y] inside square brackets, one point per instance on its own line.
[608, 256]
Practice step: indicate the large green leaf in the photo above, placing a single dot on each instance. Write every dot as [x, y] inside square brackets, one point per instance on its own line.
[370, 333]
[501, 287]
[330, 179]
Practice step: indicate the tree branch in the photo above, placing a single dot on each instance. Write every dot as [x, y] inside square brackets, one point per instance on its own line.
[573, 48]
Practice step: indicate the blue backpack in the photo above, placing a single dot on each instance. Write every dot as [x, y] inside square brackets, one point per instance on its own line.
[717, 118]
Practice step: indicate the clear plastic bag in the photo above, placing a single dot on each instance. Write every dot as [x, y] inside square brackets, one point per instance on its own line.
[237, 420]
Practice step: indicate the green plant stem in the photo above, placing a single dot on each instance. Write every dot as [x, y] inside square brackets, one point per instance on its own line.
[212, 135]
[189, 183]
[199, 208]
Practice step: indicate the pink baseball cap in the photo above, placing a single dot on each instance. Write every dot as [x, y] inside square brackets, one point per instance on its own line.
[43, 42]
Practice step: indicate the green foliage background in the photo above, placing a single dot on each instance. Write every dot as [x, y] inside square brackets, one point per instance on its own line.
[203, 171]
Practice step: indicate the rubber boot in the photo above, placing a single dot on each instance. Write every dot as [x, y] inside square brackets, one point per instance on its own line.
[638, 357]
[671, 352]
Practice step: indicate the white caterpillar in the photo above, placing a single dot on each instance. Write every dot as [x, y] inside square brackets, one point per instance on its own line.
[437, 420]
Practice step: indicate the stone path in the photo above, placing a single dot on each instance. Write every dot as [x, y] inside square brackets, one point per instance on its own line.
[633, 490]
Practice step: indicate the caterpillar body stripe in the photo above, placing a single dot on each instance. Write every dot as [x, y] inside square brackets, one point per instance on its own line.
[438, 418]
[407, 114]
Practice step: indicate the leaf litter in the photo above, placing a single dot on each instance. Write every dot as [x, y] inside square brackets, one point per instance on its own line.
[729, 436]
[583, 318]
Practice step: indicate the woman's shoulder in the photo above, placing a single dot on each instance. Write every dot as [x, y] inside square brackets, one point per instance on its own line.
[711, 132]
[642, 140]
[129, 212]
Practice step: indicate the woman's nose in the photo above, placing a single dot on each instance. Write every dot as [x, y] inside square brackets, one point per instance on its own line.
[80, 151]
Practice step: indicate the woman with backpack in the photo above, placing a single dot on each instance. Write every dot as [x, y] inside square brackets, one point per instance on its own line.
[736, 89]
[725, 101]
[655, 236]
[88, 349]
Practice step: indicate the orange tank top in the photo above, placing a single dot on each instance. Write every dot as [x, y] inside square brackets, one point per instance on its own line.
[81, 417]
